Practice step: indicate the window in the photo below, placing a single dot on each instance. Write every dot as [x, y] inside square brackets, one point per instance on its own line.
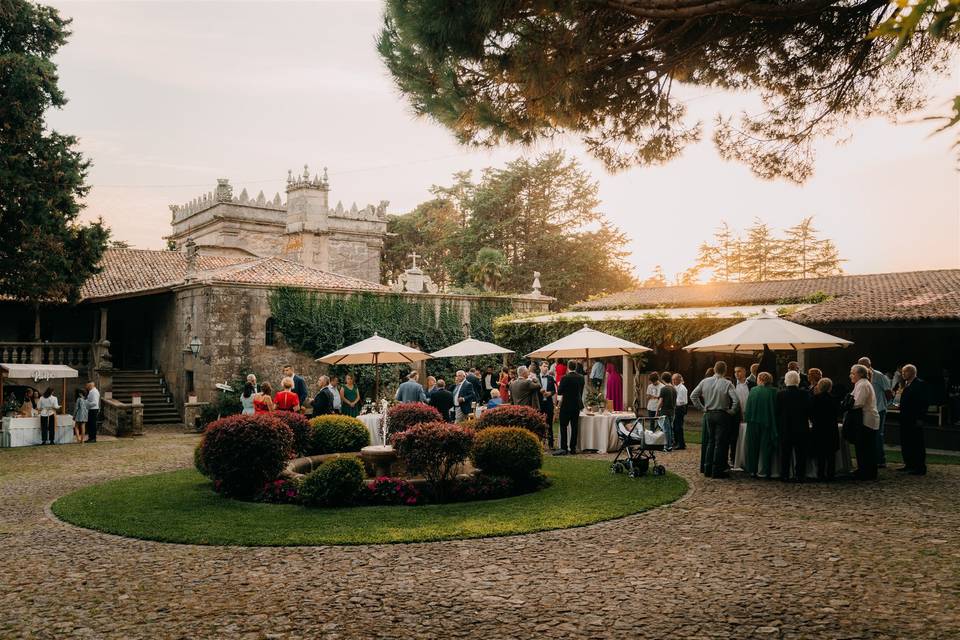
[270, 333]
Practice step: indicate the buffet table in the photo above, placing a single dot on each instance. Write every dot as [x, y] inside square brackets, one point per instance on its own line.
[599, 431]
[24, 432]
[372, 422]
[844, 463]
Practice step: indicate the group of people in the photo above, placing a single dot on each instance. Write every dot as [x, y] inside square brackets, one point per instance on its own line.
[46, 405]
[799, 420]
[293, 395]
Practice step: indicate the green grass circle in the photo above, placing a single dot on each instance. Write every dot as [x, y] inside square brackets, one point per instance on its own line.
[181, 507]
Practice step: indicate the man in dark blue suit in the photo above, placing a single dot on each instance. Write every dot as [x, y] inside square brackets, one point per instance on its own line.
[548, 398]
[914, 402]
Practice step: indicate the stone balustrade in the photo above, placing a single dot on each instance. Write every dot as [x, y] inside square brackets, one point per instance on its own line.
[121, 419]
[78, 355]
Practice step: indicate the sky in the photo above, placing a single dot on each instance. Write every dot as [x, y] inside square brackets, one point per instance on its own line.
[166, 97]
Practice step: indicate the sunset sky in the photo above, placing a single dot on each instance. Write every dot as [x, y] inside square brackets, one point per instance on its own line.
[167, 97]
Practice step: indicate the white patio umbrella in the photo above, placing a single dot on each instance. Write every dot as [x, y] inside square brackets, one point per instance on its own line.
[470, 347]
[588, 343]
[375, 350]
[770, 331]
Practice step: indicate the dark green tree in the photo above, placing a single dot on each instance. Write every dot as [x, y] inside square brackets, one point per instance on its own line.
[489, 268]
[807, 255]
[608, 71]
[46, 254]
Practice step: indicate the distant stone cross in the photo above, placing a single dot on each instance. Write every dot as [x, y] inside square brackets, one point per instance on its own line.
[414, 256]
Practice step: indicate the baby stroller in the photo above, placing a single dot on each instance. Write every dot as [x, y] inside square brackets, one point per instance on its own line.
[640, 439]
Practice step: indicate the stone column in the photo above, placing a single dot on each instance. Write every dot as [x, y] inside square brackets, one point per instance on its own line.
[136, 420]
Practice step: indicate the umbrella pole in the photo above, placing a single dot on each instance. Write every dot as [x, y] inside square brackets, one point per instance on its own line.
[376, 386]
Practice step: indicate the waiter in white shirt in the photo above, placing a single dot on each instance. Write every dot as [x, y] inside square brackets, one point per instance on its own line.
[680, 412]
[93, 411]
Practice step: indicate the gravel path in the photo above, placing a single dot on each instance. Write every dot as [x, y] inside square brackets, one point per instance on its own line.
[736, 559]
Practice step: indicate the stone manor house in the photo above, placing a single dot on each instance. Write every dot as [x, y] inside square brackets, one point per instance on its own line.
[171, 324]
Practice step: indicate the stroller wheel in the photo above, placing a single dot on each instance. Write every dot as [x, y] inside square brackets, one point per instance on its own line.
[617, 467]
[640, 468]
[659, 470]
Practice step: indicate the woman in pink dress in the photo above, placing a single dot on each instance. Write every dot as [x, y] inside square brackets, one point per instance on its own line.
[614, 387]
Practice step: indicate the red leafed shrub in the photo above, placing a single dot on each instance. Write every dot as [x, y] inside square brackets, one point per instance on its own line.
[512, 415]
[507, 451]
[391, 491]
[300, 425]
[401, 417]
[434, 449]
[279, 491]
[242, 453]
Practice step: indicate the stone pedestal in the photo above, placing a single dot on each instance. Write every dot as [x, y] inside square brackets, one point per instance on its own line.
[191, 414]
[379, 460]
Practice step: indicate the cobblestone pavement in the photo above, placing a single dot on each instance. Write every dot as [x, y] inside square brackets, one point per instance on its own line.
[736, 559]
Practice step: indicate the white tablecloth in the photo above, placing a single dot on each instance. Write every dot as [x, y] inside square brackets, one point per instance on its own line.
[599, 431]
[24, 432]
[844, 463]
[372, 422]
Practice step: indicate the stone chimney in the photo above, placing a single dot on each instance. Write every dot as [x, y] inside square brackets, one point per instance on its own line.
[191, 251]
[307, 201]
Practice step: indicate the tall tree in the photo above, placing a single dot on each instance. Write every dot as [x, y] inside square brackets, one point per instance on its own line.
[46, 254]
[657, 279]
[432, 231]
[806, 255]
[762, 254]
[489, 268]
[724, 256]
[607, 71]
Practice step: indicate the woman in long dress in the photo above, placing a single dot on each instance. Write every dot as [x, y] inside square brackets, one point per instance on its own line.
[349, 397]
[762, 436]
[80, 416]
[246, 399]
[263, 401]
[614, 387]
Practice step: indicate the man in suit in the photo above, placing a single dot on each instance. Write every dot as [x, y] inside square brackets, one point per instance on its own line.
[489, 380]
[793, 427]
[464, 397]
[570, 393]
[410, 390]
[752, 378]
[473, 377]
[299, 384]
[323, 401]
[795, 366]
[548, 397]
[914, 402]
[525, 390]
[442, 400]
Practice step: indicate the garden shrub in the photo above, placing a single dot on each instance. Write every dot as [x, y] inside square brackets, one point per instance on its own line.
[198, 459]
[336, 483]
[434, 449]
[507, 451]
[279, 491]
[337, 434]
[401, 417]
[391, 491]
[300, 425]
[512, 415]
[482, 487]
[242, 453]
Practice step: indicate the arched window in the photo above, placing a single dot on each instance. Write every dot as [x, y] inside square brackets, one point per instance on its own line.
[270, 332]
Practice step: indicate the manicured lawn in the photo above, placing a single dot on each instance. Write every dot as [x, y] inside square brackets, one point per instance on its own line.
[181, 507]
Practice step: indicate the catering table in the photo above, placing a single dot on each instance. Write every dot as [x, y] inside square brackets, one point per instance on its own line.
[24, 432]
[599, 431]
[844, 462]
[372, 422]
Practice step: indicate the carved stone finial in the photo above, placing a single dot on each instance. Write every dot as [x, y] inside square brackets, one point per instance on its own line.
[306, 173]
[224, 190]
[244, 196]
[289, 176]
[536, 283]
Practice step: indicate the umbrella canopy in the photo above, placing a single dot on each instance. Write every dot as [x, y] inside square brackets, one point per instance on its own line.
[375, 350]
[770, 330]
[470, 347]
[588, 343]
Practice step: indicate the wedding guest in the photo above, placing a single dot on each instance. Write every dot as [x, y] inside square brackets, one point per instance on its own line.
[793, 365]
[430, 387]
[653, 393]
[680, 412]
[489, 382]
[252, 379]
[883, 392]
[495, 401]
[299, 384]
[286, 399]
[525, 390]
[263, 401]
[29, 407]
[814, 376]
[561, 371]
[93, 411]
[246, 398]
[614, 387]
[570, 394]
[761, 436]
[464, 396]
[80, 414]
[504, 384]
[410, 390]
[667, 406]
[49, 405]
[442, 400]
[752, 378]
[334, 386]
[350, 396]
[473, 377]
[867, 422]
[323, 402]
[596, 374]
[914, 401]
[548, 398]
[825, 437]
[742, 387]
[716, 397]
[793, 427]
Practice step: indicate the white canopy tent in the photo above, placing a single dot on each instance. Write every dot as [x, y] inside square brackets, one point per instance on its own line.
[770, 331]
[470, 347]
[38, 373]
[375, 350]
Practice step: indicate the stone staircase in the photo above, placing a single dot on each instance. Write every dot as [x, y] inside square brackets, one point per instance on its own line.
[158, 406]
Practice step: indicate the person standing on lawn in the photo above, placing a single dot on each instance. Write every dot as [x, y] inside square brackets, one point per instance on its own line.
[548, 398]
[570, 394]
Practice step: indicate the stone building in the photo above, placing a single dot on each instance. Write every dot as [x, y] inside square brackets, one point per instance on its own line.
[171, 324]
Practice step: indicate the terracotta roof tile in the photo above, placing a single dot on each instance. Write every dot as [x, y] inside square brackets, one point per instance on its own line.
[912, 295]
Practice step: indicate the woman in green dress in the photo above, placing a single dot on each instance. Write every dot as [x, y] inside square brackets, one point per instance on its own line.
[761, 426]
[349, 397]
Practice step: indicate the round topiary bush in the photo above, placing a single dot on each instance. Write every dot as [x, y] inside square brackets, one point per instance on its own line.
[337, 434]
[507, 451]
[401, 417]
[336, 483]
[242, 453]
[511, 415]
[434, 449]
[300, 425]
[198, 459]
